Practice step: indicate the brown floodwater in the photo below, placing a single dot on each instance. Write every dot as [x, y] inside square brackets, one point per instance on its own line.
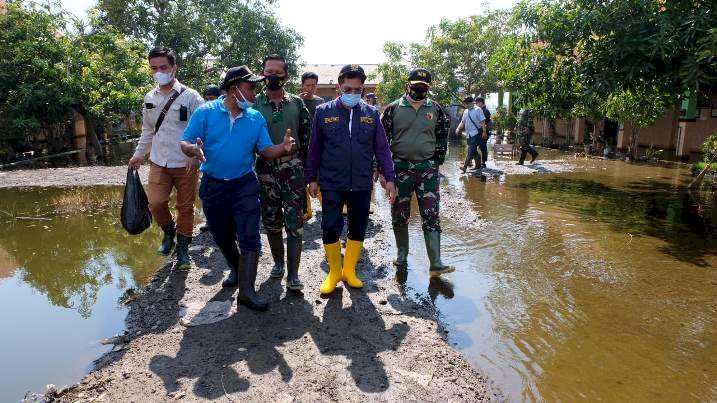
[598, 284]
[62, 275]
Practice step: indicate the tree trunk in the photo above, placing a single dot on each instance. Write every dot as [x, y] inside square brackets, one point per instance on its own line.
[551, 132]
[698, 180]
[598, 134]
[634, 135]
[92, 136]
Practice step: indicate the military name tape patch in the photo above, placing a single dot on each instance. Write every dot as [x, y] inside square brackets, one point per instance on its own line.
[332, 119]
[367, 119]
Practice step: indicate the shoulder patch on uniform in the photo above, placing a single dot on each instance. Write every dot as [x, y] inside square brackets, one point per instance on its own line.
[331, 119]
[429, 115]
[367, 119]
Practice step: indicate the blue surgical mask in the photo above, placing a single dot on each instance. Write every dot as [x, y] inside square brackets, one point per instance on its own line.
[350, 100]
[243, 105]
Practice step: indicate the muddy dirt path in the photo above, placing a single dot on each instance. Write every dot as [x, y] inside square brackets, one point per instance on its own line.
[374, 344]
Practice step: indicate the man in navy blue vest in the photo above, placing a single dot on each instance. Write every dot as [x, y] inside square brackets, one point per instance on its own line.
[347, 136]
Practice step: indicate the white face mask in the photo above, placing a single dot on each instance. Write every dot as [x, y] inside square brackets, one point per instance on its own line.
[163, 78]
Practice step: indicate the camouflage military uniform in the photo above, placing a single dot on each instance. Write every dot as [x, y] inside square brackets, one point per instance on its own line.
[283, 191]
[283, 188]
[416, 174]
[525, 121]
[423, 179]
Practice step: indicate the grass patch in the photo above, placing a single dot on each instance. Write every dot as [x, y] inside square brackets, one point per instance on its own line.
[80, 200]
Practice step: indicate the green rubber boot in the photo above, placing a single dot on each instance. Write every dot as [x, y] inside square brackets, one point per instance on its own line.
[433, 246]
[276, 244]
[401, 234]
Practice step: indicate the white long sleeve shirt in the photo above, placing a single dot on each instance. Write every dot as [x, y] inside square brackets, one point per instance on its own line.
[164, 146]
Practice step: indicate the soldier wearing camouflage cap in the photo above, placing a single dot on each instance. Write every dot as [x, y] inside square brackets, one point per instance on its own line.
[417, 129]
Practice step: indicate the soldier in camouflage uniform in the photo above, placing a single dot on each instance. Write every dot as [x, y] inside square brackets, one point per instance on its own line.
[417, 130]
[283, 188]
[525, 130]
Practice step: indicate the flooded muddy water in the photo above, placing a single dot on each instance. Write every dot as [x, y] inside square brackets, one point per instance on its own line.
[598, 284]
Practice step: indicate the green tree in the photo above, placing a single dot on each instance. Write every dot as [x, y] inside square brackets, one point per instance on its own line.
[393, 73]
[457, 53]
[48, 71]
[109, 76]
[639, 107]
[35, 87]
[208, 35]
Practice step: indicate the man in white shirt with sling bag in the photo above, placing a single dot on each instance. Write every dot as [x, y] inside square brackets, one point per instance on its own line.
[167, 109]
[474, 122]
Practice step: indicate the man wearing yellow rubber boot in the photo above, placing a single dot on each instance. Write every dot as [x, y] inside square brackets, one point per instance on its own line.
[347, 135]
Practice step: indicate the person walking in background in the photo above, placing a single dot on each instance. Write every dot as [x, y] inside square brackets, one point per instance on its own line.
[309, 83]
[473, 121]
[283, 188]
[347, 136]
[483, 133]
[224, 136]
[417, 130]
[167, 109]
[525, 130]
[211, 92]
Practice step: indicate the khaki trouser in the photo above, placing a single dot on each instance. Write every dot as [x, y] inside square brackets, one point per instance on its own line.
[161, 182]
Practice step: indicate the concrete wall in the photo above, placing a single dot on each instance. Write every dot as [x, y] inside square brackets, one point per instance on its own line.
[661, 135]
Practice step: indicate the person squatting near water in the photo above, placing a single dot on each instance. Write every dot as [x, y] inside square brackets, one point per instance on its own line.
[224, 136]
[417, 130]
[473, 121]
[525, 130]
[167, 109]
[283, 188]
[347, 135]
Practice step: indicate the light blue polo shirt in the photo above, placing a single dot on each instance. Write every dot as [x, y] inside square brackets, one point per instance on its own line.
[230, 147]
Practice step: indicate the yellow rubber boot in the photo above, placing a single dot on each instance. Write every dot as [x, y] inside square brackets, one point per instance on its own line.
[309, 210]
[333, 257]
[353, 252]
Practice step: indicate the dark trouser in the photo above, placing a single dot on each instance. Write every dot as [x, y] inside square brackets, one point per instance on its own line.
[232, 211]
[524, 150]
[332, 219]
[483, 144]
[472, 150]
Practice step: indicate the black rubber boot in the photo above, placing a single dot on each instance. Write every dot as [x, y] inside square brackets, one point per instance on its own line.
[248, 263]
[276, 244]
[183, 242]
[168, 241]
[293, 259]
[433, 246]
[231, 255]
[401, 234]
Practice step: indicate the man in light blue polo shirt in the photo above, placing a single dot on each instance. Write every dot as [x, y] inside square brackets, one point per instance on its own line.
[225, 136]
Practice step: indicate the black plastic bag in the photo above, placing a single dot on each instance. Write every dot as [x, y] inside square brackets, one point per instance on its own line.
[135, 215]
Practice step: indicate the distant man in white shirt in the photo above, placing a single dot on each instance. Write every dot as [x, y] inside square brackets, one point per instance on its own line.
[167, 109]
[474, 123]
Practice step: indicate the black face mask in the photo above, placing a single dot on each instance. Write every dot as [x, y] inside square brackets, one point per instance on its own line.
[418, 93]
[274, 82]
